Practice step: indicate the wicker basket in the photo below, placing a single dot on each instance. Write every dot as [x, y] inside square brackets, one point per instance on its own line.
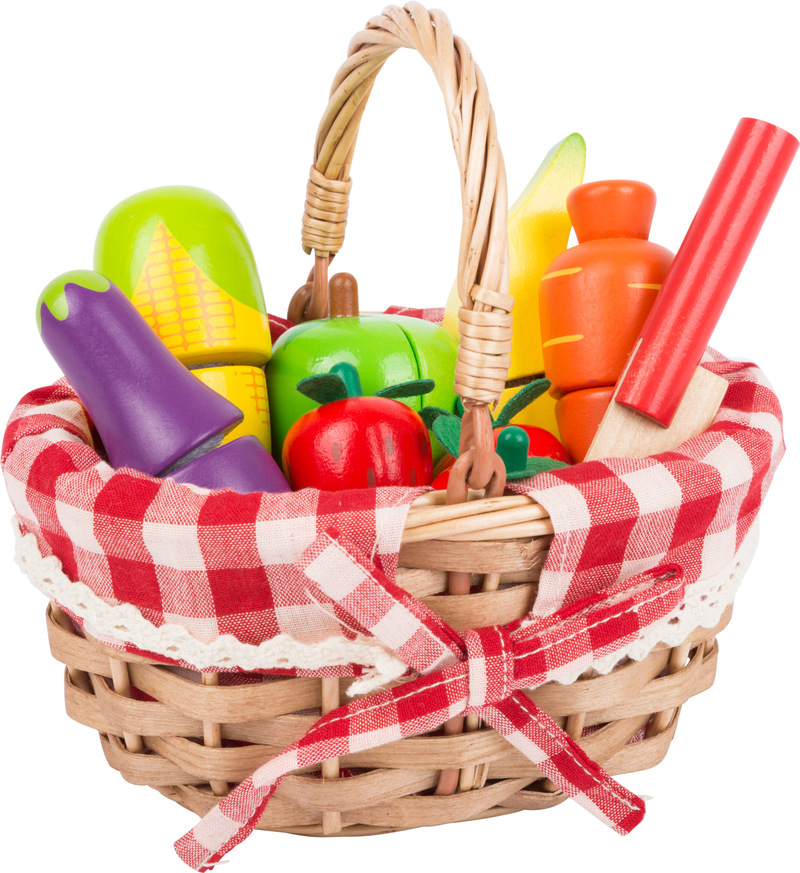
[156, 743]
[192, 739]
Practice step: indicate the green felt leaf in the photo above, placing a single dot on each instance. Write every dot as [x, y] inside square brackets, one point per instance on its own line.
[415, 388]
[324, 388]
[429, 414]
[447, 429]
[524, 397]
[536, 465]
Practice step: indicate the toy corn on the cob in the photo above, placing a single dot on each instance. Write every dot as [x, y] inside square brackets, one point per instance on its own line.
[182, 257]
[150, 412]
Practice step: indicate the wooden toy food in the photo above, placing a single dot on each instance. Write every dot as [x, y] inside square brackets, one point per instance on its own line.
[525, 449]
[353, 441]
[151, 413]
[594, 299]
[538, 230]
[385, 349]
[182, 257]
[664, 396]
[243, 465]
[566, 667]
[246, 387]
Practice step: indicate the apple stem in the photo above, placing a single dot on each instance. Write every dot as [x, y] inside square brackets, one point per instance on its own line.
[343, 296]
[349, 375]
[512, 446]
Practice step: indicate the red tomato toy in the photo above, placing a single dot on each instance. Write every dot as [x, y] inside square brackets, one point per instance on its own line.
[353, 441]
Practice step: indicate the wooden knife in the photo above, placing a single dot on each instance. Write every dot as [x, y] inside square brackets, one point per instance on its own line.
[663, 397]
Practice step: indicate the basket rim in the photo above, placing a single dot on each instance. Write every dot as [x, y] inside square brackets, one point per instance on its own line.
[124, 628]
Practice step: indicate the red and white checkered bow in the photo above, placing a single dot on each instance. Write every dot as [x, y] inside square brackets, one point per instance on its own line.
[485, 671]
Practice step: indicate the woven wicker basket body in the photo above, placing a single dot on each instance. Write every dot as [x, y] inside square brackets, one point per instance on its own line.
[192, 742]
[193, 739]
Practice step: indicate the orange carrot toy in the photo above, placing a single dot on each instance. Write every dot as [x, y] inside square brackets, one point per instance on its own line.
[594, 298]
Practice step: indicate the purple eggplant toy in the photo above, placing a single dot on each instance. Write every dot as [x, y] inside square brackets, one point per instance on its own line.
[152, 413]
[242, 464]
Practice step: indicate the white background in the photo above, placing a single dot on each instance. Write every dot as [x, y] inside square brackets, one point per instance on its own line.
[101, 100]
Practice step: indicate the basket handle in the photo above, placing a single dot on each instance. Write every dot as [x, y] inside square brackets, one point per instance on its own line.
[483, 272]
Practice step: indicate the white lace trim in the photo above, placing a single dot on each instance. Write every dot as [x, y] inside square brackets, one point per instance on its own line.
[705, 602]
[124, 623]
[703, 606]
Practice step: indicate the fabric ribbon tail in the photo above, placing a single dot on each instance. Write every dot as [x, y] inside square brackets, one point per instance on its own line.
[561, 759]
[363, 724]
[229, 823]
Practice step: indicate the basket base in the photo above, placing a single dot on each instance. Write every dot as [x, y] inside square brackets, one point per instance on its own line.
[153, 723]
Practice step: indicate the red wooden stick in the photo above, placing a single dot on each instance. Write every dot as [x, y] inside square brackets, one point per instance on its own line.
[705, 269]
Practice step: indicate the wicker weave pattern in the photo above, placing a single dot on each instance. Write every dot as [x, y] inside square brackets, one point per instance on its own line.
[483, 270]
[625, 721]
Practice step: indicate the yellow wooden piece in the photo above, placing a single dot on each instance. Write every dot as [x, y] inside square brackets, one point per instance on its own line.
[196, 319]
[245, 387]
[538, 230]
[569, 271]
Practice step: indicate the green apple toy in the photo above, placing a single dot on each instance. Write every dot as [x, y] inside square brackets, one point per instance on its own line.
[385, 349]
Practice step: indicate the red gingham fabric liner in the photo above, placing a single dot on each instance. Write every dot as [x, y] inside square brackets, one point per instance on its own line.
[224, 563]
[484, 673]
[691, 506]
[259, 565]
[215, 562]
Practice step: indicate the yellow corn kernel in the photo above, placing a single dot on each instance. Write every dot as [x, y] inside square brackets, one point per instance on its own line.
[158, 269]
[221, 321]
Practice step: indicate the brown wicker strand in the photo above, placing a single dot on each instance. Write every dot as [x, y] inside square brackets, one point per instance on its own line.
[331, 819]
[212, 733]
[483, 250]
[325, 213]
[391, 788]
[122, 686]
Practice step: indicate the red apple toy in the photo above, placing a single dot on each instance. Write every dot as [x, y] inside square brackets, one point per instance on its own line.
[357, 441]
